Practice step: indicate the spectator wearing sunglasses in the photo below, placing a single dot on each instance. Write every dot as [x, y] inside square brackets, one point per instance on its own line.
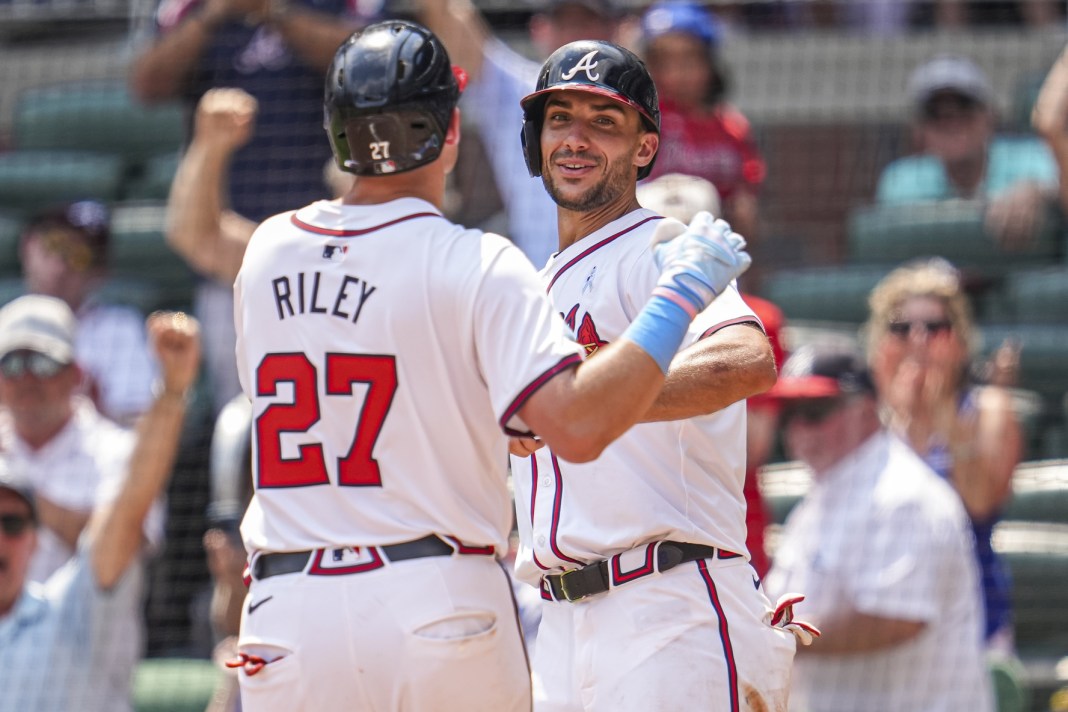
[72, 643]
[71, 455]
[961, 157]
[64, 254]
[920, 341]
[880, 548]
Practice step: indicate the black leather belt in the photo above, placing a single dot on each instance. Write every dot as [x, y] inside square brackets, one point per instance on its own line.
[590, 580]
[268, 565]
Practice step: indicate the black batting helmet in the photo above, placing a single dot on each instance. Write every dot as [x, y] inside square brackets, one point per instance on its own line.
[593, 66]
[389, 97]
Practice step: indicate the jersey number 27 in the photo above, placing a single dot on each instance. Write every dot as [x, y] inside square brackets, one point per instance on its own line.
[357, 468]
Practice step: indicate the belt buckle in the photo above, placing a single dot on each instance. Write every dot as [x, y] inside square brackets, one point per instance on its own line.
[564, 588]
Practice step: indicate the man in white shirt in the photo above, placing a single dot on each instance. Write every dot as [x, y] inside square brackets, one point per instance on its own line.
[880, 547]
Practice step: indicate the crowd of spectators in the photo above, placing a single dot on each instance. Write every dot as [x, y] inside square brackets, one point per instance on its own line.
[911, 434]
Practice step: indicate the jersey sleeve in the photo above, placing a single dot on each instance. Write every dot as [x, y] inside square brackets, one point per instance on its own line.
[521, 342]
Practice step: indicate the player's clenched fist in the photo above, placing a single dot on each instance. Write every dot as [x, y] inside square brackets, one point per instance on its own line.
[698, 261]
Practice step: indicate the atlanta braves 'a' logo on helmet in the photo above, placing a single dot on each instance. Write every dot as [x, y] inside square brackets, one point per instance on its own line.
[586, 333]
[586, 64]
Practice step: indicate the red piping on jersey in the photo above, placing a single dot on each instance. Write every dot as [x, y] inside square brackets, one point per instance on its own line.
[558, 497]
[731, 322]
[566, 362]
[356, 233]
[724, 635]
[594, 248]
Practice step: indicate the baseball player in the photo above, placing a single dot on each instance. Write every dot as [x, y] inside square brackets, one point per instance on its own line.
[387, 353]
[650, 603]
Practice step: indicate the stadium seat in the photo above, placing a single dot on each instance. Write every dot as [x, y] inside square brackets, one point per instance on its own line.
[153, 182]
[31, 181]
[10, 231]
[1037, 296]
[1011, 694]
[1037, 557]
[174, 685]
[782, 485]
[99, 117]
[950, 229]
[824, 294]
[139, 254]
[1039, 492]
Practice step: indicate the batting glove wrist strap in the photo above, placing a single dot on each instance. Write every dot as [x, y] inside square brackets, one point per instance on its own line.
[697, 262]
[659, 328]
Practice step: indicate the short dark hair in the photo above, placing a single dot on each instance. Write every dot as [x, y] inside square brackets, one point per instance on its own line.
[89, 218]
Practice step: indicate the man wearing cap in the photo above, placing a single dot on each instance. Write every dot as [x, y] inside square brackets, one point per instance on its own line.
[954, 122]
[881, 547]
[71, 455]
[500, 77]
[72, 643]
[64, 254]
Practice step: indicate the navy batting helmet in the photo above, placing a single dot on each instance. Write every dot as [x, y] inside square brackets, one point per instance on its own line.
[592, 66]
[389, 97]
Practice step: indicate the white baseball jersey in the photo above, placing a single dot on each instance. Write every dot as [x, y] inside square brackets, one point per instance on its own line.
[385, 351]
[678, 480]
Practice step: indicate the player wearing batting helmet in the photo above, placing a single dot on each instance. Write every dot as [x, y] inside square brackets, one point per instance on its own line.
[649, 599]
[387, 354]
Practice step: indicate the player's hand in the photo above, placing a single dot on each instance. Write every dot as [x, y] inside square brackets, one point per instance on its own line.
[697, 262]
[524, 447]
[783, 617]
[175, 338]
[225, 119]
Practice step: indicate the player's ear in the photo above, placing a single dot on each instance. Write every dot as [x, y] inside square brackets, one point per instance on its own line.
[647, 147]
[452, 134]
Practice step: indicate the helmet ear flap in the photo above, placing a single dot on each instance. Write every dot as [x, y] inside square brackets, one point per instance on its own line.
[530, 137]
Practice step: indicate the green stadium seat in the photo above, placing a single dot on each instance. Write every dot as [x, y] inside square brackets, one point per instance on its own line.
[824, 294]
[782, 485]
[174, 684]
[31, 181]
[950, 229]
[1011, 694]
[1038, 296]
[96, 116]
[10, 232]
[1037, 557]
[140, 254]
[1039, 492]
[153, 182]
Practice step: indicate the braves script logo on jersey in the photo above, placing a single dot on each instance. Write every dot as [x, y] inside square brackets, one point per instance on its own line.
[586, 333]
[586, 64]
[334, 252]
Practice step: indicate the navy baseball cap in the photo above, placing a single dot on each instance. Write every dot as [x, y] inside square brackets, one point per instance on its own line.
[817, 371]
[682, 17]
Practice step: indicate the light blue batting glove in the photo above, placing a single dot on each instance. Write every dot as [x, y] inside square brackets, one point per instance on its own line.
[697, 262]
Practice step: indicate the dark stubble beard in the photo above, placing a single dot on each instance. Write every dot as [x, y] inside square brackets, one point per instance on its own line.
[616, 182]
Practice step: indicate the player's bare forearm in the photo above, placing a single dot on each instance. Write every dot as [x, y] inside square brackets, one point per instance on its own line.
[314, 36]
[115, 528]
[850, 632]
[582, 410]
[730, 365]
[460, 25]
[1049, 117]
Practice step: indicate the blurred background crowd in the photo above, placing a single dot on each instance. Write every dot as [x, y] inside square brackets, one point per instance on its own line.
[899, 167]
